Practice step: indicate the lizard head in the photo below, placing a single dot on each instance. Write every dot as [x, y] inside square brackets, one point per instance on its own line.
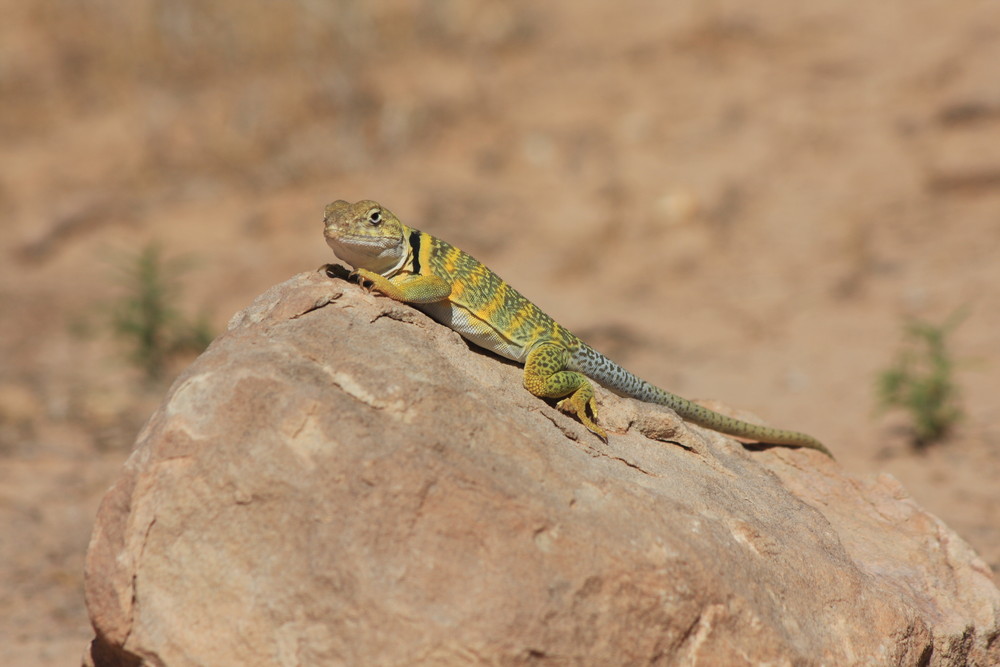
[365, 234]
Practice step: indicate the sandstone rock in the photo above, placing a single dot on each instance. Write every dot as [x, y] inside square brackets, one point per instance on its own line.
[339, 480]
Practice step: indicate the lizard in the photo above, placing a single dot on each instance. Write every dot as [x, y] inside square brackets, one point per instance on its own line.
[457, 290]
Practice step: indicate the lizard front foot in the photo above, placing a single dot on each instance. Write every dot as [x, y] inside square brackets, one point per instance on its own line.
[366, 279]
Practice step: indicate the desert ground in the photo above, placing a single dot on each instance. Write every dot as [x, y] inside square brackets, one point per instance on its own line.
[749, 203]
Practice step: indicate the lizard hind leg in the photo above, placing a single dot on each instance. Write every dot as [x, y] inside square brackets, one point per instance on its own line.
[545, 376]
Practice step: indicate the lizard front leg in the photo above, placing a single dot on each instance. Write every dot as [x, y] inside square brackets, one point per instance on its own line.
[409, 288]
[545, 375]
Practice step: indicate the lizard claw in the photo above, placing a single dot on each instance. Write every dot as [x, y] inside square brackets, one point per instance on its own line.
[366, 283]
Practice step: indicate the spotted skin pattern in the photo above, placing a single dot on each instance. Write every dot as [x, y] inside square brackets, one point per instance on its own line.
[459, 291]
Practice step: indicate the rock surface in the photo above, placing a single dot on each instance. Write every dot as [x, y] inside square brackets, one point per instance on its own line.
[339, 480]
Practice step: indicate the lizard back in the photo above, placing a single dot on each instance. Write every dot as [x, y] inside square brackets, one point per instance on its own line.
[482, 307]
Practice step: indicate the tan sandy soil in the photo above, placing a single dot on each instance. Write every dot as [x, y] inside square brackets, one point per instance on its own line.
[739, 202]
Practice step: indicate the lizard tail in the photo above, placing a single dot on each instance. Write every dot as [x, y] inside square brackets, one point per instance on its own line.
[592, 363]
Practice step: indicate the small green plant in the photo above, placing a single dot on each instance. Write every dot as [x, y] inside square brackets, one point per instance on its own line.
[147, 318]
[921, 381]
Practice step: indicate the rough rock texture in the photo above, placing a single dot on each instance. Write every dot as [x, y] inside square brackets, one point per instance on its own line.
[339, 480]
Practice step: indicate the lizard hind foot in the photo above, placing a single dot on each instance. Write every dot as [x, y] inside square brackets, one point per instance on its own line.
[545, 376]
[578, 404]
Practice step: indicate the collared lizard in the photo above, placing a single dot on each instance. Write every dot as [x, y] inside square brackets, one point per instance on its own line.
[458, 291]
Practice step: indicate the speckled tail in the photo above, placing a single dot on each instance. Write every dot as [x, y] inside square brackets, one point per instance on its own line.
[595, 365]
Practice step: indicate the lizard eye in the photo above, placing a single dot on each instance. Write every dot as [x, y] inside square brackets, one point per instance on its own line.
[375, 217]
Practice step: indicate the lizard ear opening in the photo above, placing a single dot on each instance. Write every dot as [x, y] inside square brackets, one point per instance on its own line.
[375, 217]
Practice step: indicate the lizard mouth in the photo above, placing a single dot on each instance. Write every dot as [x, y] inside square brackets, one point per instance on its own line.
[359, 242]
[375, 253]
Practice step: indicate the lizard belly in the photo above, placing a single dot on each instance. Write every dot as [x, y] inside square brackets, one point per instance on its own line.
[473, 329]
